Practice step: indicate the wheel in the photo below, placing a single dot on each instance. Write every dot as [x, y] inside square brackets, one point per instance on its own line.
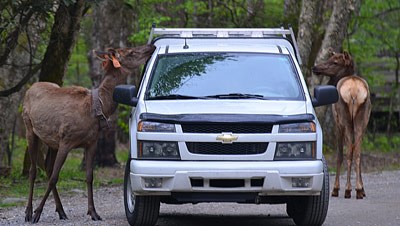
[139, 210]
[310, 210]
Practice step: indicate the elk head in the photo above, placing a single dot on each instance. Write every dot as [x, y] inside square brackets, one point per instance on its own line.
[128, 58]
[337, 66]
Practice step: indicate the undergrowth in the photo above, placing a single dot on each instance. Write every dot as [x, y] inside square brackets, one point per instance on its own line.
[379, 152]
[16, 186]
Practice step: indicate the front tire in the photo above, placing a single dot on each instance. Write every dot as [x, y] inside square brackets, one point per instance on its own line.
[311, 210]
[139, 210]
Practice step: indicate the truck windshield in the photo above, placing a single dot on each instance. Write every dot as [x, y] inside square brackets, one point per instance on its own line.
[224, 76]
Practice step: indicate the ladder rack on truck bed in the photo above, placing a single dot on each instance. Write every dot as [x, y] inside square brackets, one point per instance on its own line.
[226, 33]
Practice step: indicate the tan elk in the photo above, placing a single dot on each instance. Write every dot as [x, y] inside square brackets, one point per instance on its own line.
[351, 114]
[71, 117]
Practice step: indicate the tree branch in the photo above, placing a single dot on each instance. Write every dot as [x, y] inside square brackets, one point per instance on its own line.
[24, 80]
[226, 6]
[12, 38]
[383, 13]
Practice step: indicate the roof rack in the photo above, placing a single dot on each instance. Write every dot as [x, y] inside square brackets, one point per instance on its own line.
[225, 33]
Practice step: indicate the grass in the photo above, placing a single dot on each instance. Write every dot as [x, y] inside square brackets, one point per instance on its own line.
[378, 153]
[71, 177]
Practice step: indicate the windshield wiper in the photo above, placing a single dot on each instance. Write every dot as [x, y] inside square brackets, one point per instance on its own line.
[175, 97]
[237, 96]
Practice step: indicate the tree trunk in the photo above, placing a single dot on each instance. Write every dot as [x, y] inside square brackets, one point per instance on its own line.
[335, 34]
[306, 31]
[16, 68]
[62, 40]
[336, 31]
[315, 36]
[54, 64]
[8, 114]
[111, 28]
[291, 11]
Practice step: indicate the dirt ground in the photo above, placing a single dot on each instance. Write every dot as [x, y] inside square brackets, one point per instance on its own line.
[109, 202]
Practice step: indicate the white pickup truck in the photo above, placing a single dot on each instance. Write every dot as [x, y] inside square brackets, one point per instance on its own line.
[224, 115]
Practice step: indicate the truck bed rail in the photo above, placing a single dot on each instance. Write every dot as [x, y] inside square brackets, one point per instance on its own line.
[226, 33]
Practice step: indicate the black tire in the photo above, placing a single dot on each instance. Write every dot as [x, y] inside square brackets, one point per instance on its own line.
[310, 210]
[139, 210]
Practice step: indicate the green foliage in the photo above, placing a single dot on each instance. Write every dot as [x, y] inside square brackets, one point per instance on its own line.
[374, 42]
[224, 14]
[123, 117]
[15, 17]
[376, 36]
[381, 143]
[78, 67]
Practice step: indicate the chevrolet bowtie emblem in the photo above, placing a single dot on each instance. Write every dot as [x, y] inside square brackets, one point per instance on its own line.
[227, 138]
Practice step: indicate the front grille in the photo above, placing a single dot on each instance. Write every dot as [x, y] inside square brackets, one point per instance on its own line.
[226, 127]
[213, 148]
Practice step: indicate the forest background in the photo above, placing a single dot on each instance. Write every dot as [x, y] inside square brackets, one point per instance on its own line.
[45, 40]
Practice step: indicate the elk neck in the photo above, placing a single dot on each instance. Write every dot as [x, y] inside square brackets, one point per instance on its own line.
[345, 72]
[113, 78]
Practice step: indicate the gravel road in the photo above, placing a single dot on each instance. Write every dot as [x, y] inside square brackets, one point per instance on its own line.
[380, 207]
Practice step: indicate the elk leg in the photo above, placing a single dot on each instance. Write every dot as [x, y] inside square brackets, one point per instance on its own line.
[59, 162]
[349, 155]
[357, 157]
[362, 183]
[90, 153]
[50, 159]
[363, 122]
[339, 161]
[33, 145]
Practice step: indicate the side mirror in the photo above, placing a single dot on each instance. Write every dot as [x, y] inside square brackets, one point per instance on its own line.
[125, 94]
[324, 95]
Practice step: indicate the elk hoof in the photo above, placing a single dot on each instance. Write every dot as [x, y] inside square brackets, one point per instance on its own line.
[62, 215]
[347, 194]
[360, 193]
[94, 215]
[28, 215]
[36, 216]
[335, 192]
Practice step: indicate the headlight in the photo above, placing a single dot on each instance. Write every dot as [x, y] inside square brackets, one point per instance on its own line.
[158, 150]
[146, 126]
[295, 151]
[303, 127]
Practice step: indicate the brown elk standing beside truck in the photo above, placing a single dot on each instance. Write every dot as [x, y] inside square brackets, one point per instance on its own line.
[351, 115]
[71, 117]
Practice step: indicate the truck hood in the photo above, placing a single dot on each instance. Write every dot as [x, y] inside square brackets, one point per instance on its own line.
[173, 107]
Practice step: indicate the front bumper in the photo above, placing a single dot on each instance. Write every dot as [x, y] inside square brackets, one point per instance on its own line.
[263, 177]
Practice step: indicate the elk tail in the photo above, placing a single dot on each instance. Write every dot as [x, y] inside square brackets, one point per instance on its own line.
[353, 112]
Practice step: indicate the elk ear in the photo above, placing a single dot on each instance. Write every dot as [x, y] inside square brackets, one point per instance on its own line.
[114, 57]
[115, 62]
[347, 58]
[101, 55]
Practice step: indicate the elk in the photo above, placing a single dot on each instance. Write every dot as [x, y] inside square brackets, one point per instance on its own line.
[351, 114]
[71, 117]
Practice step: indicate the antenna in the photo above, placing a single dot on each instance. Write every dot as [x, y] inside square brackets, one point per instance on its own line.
[185, 46]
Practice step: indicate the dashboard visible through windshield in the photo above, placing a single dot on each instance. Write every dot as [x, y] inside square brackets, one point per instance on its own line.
[224, 76]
